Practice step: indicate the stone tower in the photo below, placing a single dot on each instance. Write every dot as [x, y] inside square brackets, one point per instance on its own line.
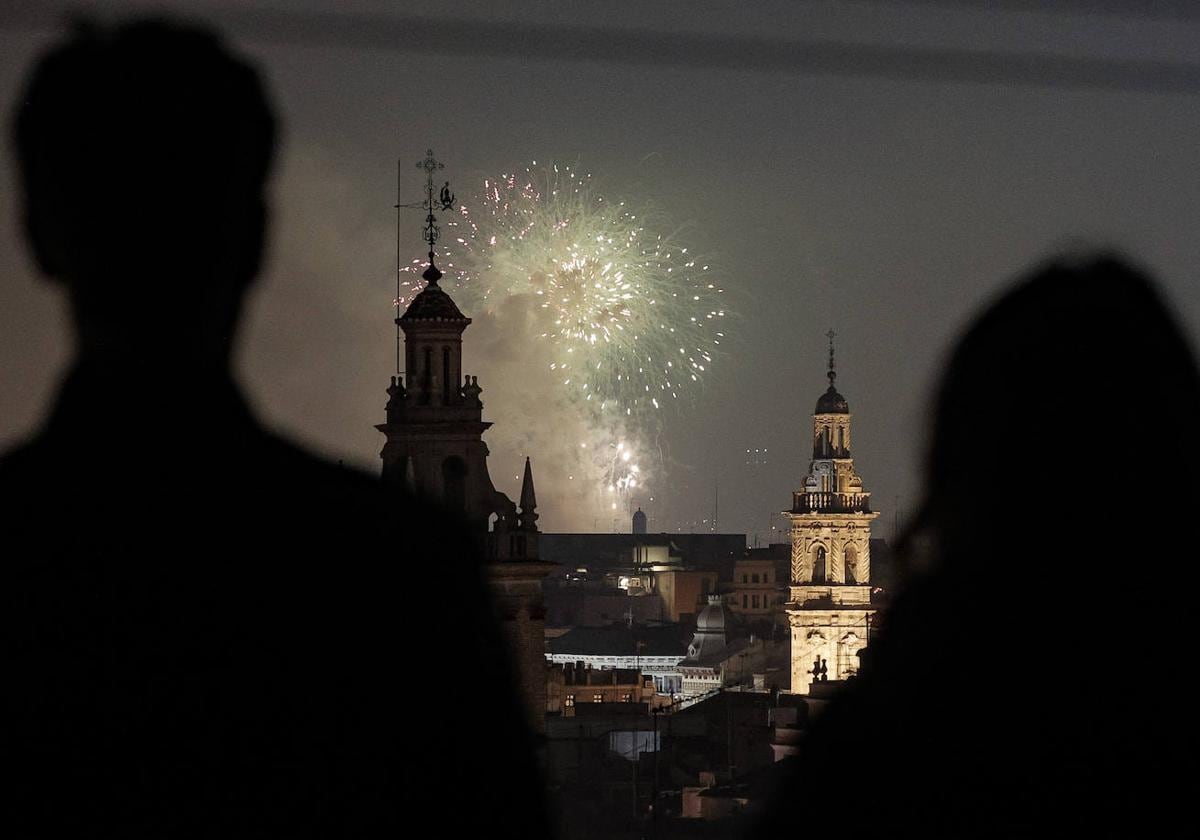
[435, 424]
[830, 605]
[435, 449]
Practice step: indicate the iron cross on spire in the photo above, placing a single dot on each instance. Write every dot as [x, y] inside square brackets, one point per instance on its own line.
[832, 374]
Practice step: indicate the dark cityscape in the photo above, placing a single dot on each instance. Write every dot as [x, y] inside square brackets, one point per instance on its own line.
[579, 421]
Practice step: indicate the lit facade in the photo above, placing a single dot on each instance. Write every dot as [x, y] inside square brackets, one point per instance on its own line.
[829, 607]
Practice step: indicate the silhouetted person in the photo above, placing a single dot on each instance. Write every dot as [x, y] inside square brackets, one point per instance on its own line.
[206, 631]
[1061, 472]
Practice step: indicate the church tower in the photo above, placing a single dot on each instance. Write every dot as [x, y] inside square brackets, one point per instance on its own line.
[435, 449]
[830, 605]
[435, 423]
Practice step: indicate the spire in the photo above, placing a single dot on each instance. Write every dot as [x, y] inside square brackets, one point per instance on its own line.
[444, 201]
[832, 374]
[831, 402]
[529, 514]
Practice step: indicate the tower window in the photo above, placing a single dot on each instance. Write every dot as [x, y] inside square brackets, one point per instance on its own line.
[851, 564]
[454, 483]
[445, 376]
[427, 376]
[818, 575]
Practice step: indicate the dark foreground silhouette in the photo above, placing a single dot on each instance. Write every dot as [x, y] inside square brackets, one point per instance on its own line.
[1034, 678]
[203, 630]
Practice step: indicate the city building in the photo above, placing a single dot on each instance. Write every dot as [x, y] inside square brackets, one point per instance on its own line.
[721, 652]
[602, 553]
[676, 572]
[756, 592]
[830, 606]
[570, 684]
[653, 650]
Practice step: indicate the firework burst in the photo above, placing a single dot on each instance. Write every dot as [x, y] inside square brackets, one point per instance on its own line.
[632, 317]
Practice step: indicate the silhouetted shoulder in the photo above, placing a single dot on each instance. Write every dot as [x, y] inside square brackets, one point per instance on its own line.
[251, 622]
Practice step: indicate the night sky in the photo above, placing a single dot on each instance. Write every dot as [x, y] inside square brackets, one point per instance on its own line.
[886, 207]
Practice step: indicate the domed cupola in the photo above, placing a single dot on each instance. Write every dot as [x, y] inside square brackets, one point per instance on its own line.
[713, 626]
[432, 303]
[831, 402]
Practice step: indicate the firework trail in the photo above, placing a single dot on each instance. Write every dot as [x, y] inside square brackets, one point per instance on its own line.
[627, 317]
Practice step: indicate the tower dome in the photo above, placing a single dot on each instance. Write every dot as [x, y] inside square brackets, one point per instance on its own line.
[712, 618]
[433, 304]
[831, 402]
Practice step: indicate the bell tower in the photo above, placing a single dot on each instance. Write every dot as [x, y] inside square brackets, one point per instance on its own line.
[830, 605]
[435, 449]
[435, 423]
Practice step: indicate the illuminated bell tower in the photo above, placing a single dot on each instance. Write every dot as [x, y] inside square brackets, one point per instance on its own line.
[830, 605]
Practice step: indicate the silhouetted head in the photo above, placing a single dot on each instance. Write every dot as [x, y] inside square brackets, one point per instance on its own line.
[143, 152]
[1070, 406]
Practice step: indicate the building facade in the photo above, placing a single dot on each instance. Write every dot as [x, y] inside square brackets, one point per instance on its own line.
[755, 593]
[829, 607]
[570, 684]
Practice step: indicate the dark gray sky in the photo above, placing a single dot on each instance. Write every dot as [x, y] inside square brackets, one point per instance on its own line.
[887, 207]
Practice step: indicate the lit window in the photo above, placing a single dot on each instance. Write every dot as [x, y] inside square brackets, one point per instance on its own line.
[626, 698]
[597, 698]
[570, 701]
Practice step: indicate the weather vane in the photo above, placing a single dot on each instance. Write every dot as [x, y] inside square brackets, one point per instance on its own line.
[444, 201]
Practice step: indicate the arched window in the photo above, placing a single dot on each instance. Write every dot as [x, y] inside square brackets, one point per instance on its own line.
[427, 376]
[818, 574]
[445, 376]
[851, 564]
[454, 483]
